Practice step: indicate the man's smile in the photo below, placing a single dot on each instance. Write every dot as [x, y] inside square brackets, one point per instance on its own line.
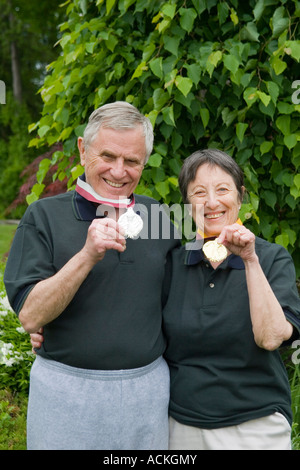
[113, 184]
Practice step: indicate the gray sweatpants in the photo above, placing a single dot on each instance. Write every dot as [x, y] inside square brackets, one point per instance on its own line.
[76, 409]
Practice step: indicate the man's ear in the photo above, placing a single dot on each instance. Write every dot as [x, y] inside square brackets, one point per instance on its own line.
[80, 144]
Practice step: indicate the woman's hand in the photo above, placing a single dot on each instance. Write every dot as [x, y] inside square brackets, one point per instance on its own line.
[238, 240]
[37, 339]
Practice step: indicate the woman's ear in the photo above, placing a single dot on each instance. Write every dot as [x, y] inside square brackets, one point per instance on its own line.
[243, 192]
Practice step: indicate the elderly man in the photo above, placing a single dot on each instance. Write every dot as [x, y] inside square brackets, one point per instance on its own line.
[99, 380]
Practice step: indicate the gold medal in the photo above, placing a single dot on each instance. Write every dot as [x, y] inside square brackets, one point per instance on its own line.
[214, 251]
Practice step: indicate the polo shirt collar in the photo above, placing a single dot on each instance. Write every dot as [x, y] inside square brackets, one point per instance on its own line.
[88, 210]
[82, 208]
[194, 255]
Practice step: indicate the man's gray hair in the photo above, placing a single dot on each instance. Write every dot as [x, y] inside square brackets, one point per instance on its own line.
[119, 115]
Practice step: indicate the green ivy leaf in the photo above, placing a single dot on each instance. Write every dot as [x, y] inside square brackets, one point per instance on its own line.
[279, 22]
[155, 160]
[171, 44]
[43, 130]
[187, 18]
[36, 191]
[43, 169]
[290, 141]
[270, 198]
[264, 97]
[213, 59]
[231, 63]
[169, 10]
[266, 146]
[240, 130]
[162, 188]
[282, 239]
[156, 67]
[204, 113]
[184, 84]
[250, 95]
[278, 65]
[194, 72]
[250, 32]
[168, 115]
[293, 48]
[160, 98]
[284, 124]
[109, 5]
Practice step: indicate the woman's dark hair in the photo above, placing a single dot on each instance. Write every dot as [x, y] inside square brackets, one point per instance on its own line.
[213, 157]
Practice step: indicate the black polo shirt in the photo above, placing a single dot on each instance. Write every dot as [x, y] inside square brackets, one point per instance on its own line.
[114, 320]
[219, 376]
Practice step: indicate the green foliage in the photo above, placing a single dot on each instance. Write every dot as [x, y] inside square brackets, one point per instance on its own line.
[28, 32]
[13, 409]
[14, 153]
[208, 74]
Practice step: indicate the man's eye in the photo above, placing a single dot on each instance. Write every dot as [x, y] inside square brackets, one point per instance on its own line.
[107, 158]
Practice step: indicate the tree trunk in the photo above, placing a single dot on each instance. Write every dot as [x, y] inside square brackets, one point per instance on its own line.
[15, 65]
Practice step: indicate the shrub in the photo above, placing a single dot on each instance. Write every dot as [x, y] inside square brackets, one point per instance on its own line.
[16, 356]
[208, 74]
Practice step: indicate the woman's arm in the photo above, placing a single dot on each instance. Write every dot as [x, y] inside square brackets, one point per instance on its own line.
[269, 324]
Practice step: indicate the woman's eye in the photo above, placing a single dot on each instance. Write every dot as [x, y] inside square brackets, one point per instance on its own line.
[222, 190]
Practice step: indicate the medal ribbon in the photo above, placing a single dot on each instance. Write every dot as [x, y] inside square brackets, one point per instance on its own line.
[85, 190]
[201, 234]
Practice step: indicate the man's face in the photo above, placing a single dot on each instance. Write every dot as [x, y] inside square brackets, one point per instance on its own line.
[114, 161]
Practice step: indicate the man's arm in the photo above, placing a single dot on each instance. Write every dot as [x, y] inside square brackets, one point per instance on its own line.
[49, 298]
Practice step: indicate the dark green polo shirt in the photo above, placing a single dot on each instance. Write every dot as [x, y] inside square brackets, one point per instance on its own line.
[114, 321]
[219, 376]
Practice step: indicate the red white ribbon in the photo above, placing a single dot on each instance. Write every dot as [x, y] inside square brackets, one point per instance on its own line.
[85, 190]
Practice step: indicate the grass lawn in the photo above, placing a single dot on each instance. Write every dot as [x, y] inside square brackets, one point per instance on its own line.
[7, 232]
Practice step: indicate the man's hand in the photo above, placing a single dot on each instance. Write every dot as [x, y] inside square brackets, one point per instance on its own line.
[104, 234]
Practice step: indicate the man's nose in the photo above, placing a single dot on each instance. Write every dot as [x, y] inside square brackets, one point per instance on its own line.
[118, 168]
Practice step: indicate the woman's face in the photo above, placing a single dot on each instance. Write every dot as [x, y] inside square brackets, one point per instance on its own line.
[214, 198]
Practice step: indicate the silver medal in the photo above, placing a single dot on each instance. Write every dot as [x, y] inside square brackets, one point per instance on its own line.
[131, 222]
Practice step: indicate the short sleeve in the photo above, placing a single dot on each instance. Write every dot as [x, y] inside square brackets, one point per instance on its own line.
[29, 261]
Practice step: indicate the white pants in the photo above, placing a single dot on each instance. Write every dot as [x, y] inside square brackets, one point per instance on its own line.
[270, 433]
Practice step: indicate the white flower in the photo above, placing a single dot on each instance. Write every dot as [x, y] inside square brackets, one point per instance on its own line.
[4, 302]
[20, 329]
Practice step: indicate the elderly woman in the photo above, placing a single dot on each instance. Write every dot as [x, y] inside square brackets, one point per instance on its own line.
[225, 320]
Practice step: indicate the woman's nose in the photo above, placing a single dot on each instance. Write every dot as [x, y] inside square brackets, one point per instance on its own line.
[211, 199]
